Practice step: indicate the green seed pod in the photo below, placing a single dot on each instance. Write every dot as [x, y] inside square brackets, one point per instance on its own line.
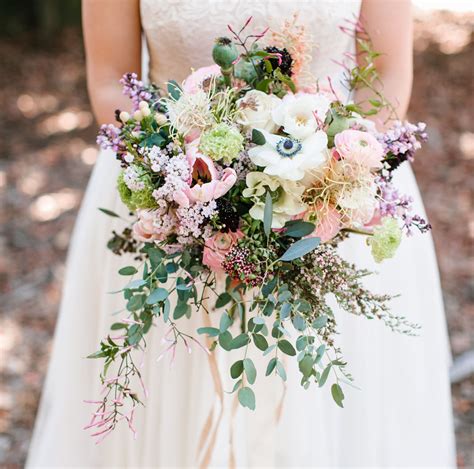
[224, 53]
[245, 70]
[337, 125]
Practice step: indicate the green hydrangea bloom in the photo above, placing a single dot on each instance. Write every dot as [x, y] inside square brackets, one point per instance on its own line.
[386, 239]
[222, 142]
[136, 199]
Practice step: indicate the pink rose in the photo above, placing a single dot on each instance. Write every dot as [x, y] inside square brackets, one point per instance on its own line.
[359, 147]
[205, 184]
[217, 247]
[193, 83]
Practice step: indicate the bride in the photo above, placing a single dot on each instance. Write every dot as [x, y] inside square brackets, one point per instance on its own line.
[400, 417]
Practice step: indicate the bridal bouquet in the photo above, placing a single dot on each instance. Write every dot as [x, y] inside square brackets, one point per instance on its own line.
[241, 182]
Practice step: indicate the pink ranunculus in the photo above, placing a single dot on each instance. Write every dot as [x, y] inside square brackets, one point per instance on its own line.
[205, 184]
[359, 147]
[375, 220]
[193, 82]
[144, 230]
[328, 224]
[217, 247]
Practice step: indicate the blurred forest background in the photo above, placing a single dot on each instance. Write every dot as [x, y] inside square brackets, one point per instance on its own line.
[47, 151]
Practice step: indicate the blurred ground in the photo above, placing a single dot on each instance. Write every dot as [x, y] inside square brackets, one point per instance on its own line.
[47, 151]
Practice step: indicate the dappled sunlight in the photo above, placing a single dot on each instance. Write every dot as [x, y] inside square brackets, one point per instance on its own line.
[32, 182]
[466, 145]
[10, 335]
[3, 180]
[89, 155]
[449, 37]
[65, 121]
[31, 105]
[50, 206]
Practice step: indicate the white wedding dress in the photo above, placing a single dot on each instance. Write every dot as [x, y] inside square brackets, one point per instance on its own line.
[400, 417]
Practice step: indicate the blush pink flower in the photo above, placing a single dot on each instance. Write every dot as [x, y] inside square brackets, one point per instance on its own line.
[217, 247]
[152, 226]
[193, 82]
[328, 224]
[359, 147]
[204, 184]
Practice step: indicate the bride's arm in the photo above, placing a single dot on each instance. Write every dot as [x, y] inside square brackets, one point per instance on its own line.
[112, 37]
[389, 25]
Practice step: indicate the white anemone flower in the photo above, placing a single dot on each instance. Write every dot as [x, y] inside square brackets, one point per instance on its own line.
[289, 158]
[300, 114]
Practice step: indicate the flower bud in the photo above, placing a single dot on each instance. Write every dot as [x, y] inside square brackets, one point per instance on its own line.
[124, 116]
[224, 53]
[160, 118]
[137, 115]
[143, 105]
[145, 111]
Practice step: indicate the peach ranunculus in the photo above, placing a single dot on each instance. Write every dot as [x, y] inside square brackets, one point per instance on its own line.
[359, 147]
[328, 224]
[205, 184]
[217, 247]
[152, 226]
[194, 82]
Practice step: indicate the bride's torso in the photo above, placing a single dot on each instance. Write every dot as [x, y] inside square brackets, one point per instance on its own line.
[180, 33]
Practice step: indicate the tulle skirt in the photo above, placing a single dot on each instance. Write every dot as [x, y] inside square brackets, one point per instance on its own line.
[400, 415]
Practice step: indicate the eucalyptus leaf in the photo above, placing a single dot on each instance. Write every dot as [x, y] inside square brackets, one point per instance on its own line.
[225, 339]
[298, 228]
[337, 394]
[240, 341]
[280, 369]
[225, 322]
[300, 248]
[247, 398]
[181, 310]
[286, 347]
[320, 322]
[260, 342]
[306, 366]
[324, 376]
[271, 366]
[210, 331]
[157, 295]
[129, 270]
[268, 214]
[223, 299]
[250, 370]
[237, 369]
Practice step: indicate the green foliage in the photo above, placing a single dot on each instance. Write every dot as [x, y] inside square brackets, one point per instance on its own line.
[300, 248]
[247, 398]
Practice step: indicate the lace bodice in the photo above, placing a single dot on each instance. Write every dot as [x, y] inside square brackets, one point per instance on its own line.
[180, 33]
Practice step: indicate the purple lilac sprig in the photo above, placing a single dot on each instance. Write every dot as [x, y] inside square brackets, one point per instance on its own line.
[401, 142]
[135, 89]
[109, 138]
[396, 205]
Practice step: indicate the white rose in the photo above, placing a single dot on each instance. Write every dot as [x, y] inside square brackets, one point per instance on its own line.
[256, 110]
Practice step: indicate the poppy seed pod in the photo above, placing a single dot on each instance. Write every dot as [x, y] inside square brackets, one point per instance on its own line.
[224, 53]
